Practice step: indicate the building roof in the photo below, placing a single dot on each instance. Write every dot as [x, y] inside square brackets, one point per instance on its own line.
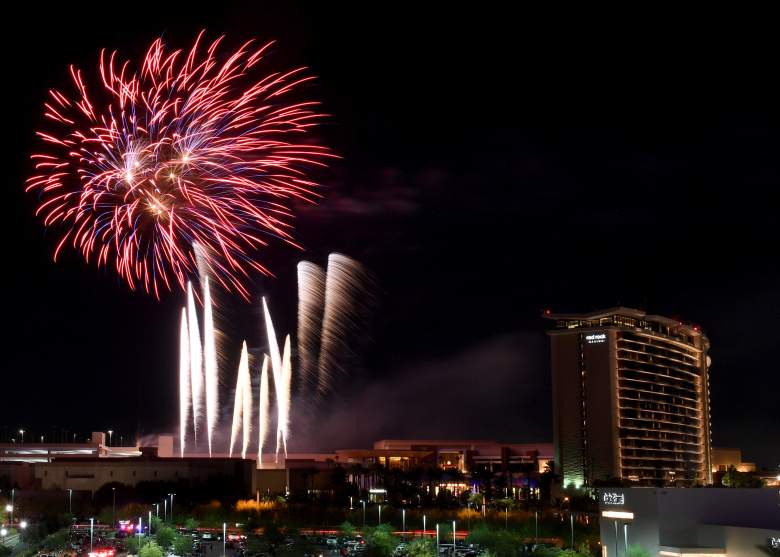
[622, 310]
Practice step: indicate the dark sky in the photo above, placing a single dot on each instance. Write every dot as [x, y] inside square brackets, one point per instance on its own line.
[494, 163]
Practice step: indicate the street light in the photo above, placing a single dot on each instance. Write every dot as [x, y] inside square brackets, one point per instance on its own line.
[165, 509]
[571, 519]
[13, 493]
[380, 513]
[21, 432]
[423, 525]
[453, 536]
[438, 551]
[70, 501]
[23, 524]
[224, 537]
[364, 512]
[3, 534]
[403, 520]
[625, 535]
[171, 494]
[91, 529]
[113, 504]
[616, 538]
[536, 527]
[157, 510]
[110, 436]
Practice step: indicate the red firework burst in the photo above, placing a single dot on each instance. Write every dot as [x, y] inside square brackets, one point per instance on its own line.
[197, 156]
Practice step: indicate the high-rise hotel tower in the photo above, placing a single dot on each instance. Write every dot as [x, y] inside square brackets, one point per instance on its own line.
[630, 398]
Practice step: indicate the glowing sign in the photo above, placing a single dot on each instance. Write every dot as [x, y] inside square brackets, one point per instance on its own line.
[618, 514]
[596, 338]
[613, 498]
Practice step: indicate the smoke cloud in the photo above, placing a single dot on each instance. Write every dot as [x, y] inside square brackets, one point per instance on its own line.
[496, 389]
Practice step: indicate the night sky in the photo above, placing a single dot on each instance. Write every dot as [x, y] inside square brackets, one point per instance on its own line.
[494, 164]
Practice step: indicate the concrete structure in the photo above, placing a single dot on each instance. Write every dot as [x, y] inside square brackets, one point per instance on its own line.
[723, 458]
[90, 474]
[672, 522]
[88, 467]
[47, 452]
[630, 398]
[467, 455]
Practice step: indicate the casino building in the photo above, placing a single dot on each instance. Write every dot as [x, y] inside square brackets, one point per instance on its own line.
[630, 398]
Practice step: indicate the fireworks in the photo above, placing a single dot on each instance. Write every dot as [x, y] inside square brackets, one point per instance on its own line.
[242, 407]
[184, 379]
[311, 299]
[342, 313]
[192, 149]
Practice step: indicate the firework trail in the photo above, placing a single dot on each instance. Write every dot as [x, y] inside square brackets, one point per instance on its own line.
[343, 312]
[210, 364]
[247, 410]
[188, 147]
[278, 371]
[311, 299]
[196, 361]
[264, 414]
[284, 409]
[184, 380]
[242, 407]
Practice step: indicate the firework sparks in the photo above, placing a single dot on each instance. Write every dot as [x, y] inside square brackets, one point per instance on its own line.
[264, 411]
[311, 299]
[242, 407]
[210, 368]
[196, 361]
[281, 382]
[192, 148]
[184, 380]
[345, 278]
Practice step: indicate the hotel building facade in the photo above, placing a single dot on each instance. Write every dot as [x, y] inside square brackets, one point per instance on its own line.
[630, 399]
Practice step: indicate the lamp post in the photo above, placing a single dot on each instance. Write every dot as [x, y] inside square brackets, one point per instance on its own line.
[91, 530]
[157, 510]
[113, 504]
[536, 527]
[364, 512]
[506, 517]
[571, 519]
[403, 520]
[625, 535]
[171, 494]
[380, 514]
[224, 537]
[13, 493]
[453, 536]
[350, 502]
[423, 525]
[70, 501]
[616, 538]
[438, 551]
[110, 436]
[3, 534]
[165, 509]
[150, 522]
[21, 432]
